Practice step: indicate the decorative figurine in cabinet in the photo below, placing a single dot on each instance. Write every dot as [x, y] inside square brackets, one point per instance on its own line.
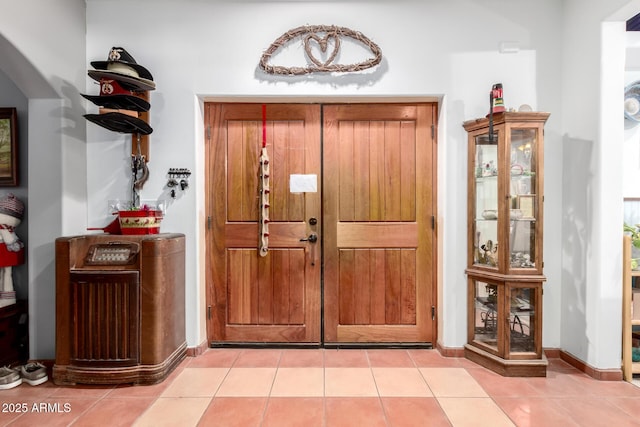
[504, 255]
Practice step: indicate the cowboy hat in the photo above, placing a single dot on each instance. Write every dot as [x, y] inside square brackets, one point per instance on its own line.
[121, 66]
[120, 121]
[118, 55]
[113, 95]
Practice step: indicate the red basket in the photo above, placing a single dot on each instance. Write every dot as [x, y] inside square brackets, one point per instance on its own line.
[140, 222]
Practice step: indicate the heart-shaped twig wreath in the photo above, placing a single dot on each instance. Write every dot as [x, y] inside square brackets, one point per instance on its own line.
[320, 37]
[323, 43]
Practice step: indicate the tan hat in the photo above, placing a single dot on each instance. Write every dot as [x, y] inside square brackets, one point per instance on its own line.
[121, 66]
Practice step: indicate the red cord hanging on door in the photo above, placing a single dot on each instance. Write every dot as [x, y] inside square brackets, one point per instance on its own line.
[264, 189]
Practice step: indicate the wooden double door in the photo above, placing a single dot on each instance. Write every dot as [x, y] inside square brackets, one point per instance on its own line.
[351, 223]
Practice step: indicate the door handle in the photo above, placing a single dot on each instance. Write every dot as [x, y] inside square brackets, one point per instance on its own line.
[311, 239]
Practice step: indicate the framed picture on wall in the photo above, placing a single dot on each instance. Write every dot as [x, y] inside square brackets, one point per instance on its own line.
[8, 147]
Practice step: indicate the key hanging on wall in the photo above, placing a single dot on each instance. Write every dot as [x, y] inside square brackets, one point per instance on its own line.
[263, 238]
[139, 171]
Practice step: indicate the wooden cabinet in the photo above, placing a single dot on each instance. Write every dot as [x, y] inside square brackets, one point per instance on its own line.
[504, 256]
[630, 314]
[14, 340]
[120, 308]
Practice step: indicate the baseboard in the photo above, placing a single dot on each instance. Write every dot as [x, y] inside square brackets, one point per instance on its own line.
[197, 350]
[507, 367]
[450, 351]
[595, 373]
[552, 353]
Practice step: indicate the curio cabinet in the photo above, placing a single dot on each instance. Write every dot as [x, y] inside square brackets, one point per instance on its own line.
[504, 243]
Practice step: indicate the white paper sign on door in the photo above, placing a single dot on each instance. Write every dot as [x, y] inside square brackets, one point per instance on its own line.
[299, 183]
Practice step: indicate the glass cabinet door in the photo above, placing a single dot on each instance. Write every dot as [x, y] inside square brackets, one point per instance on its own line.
[524, 206]
[485, 222]
[486, 324]
[523, 303]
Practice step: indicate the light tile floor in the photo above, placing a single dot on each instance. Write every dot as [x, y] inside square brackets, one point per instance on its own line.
[328, 388]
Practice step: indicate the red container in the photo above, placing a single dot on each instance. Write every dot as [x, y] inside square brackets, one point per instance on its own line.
[9, 258]
[140, 222]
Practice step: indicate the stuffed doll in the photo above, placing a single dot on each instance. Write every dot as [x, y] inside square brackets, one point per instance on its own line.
[11, 248]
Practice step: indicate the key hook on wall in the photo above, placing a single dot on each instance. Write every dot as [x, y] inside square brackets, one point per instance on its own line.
[178, 178]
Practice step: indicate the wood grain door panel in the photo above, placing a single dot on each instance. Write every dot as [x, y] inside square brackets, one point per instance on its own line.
[375, 207]
[378, 210]
[275, 298]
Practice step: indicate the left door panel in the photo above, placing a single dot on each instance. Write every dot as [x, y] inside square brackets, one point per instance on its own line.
[253, 298]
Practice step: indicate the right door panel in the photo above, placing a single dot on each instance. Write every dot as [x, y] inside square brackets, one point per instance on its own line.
[378, 211]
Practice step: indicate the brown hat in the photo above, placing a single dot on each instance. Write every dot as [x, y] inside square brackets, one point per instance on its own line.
[113, 95]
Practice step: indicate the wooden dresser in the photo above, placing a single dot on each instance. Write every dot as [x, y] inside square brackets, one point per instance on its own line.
[119, 308]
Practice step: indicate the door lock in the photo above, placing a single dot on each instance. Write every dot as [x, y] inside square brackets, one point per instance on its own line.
[311, 239]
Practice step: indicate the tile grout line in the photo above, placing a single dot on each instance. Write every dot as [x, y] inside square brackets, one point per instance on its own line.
[214, 393]
[384, 411]
[324, 389]
[437, 400]
[422, 376]
[177, 375]
[95, 403]
[492, 398]
[156, 398]
[268, 397]
[226, 375]
[489, 396]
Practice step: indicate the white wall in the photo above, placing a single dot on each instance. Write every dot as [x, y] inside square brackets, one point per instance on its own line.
[211, 50]
[593, 83]
[200, 49]
[44, 59]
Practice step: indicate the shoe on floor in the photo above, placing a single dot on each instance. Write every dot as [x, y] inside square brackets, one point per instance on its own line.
[33, 373]
[9, 378]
